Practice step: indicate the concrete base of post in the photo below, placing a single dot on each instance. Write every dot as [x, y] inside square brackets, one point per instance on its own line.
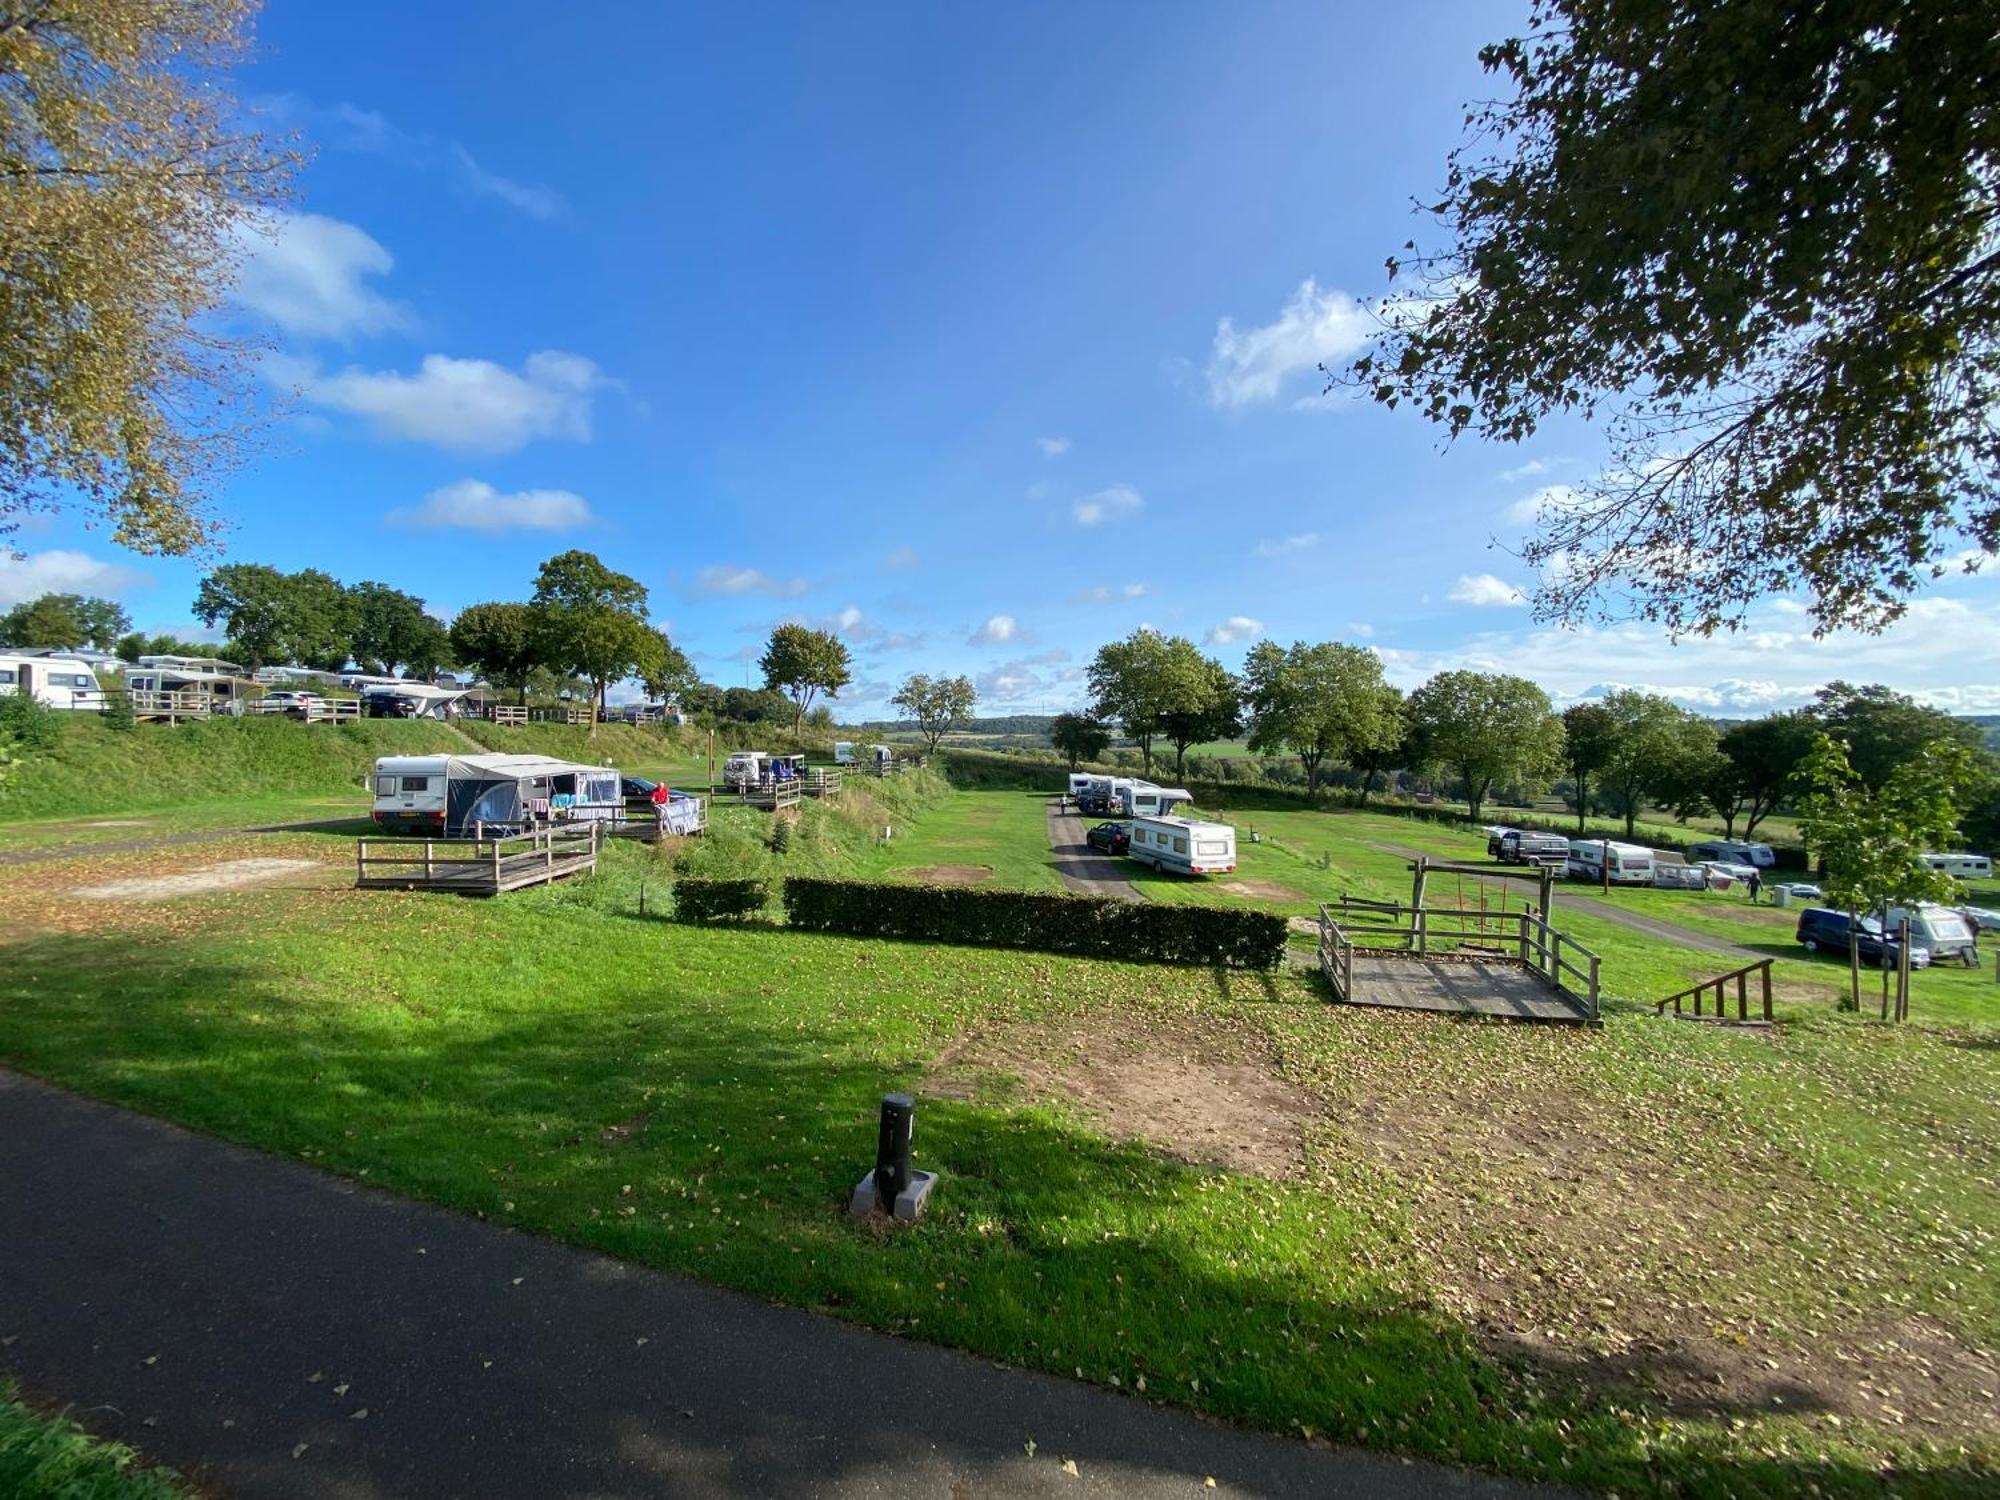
[909, 1205]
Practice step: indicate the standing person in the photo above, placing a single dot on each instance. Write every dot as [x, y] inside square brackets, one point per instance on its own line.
[1756, 884]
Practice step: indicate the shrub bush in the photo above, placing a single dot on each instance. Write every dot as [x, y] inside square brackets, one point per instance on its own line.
[697, 900]
[1081, 925]
[28, 722]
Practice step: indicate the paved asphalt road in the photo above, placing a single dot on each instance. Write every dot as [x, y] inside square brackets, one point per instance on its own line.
[1082, 868]
[277, 1332]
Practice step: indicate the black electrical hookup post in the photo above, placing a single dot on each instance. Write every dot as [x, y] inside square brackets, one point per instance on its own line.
[892, 1148]
[893, 1186]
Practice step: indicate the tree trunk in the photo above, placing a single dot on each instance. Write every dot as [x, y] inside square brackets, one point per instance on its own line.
[1854, 961]
[1582, 800]
[1631, 815]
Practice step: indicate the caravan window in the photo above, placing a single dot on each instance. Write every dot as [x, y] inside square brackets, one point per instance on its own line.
[1180, 846]
[1211, 846]
[8, 675]
[416, 783]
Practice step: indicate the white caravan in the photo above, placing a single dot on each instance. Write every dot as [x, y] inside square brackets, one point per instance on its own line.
[1184, 845]
[843, 752]
[455, 796]
[1964, 866]
[1939, 928]
[56, 681]
[1142, 799]
[1734, 852]
[746, 768]
[1630, 864]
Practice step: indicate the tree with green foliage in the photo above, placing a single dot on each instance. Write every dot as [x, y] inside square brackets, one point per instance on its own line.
[1375, 755]
[1204, 704]
[304, 619]
[591, 621]
[1485, 727]
[129, 648]
[70, 620]
[801, 663]
[1755, 241]
[1323, 703]
[1078, 737]
[1871, 839]
[665, 670]
[130, 180]
[1590, 734]
[936, 705]
[499, 642]
[1883, 729]
[1658, 752]
[1765, 755]
[393, 628]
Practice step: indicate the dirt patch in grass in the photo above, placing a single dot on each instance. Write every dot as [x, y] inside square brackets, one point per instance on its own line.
[1200, 1088]
[1263, 890]
[948, 874]
[229, 875]
[119, 823]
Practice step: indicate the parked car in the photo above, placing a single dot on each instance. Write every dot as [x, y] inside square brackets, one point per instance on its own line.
[1112, 838]
[636, 788]
[292, 704]
[1822, 930]
[1519, 847]
[391, 706]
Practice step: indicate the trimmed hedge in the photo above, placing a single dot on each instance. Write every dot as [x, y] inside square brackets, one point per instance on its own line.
[1083, 925]
[700, 900]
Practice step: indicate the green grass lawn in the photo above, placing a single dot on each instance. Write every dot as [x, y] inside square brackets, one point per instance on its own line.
[701, 1100]
[51, 1458]
[1004, 832]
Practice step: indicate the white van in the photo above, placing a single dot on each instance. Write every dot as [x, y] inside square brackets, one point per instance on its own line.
[1964, 866]
[1631, 864]
[1944, 931]
[1733, 852]
[1184, 845]
[56, 681]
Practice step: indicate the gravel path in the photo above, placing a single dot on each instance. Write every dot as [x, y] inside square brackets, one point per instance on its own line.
[1082, 868]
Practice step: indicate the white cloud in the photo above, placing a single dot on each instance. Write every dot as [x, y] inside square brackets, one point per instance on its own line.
[474, 505]
[1018, 684]
[1304, 541]
[901, 560]
[851, 624]
[62, 571]
[1248, 365]
[351, 128]
[305, 272]
[997, 631]
[1105, 593]
[1095, 509]
[1534, 468]
[1361, 632]
[1484, 590]
[1235, 628]
[1052, 447]
[726, 580]
[468, 405]
[1546, 501]
[1944, 652]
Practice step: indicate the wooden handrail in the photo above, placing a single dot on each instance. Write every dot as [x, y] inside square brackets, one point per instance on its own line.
[1741, 978]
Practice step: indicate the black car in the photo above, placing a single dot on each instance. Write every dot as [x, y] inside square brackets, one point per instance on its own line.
[636, 788]
[1112, 838]
[1822, 930]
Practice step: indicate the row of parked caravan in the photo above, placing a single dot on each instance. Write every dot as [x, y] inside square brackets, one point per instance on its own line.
[1146, 828]
[1717, 863]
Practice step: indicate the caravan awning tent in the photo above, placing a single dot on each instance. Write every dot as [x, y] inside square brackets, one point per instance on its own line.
[502, 791]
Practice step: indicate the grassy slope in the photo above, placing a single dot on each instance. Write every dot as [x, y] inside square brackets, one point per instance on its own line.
[51, 1458]
[741, 1068]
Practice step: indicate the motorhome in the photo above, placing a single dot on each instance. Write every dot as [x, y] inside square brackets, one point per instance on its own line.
[1184, 845]
[1078, 780]
[746, 768]
[1142, 799]
[1939, 928]
[456, 796]
[1964, 866]
[190, 683]
[55, 681]
[1629, 864]
[1735, 852]
[1094, 796]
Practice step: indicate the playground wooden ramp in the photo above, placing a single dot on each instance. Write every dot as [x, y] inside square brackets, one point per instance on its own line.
[1507, 966]
[1709, 1000]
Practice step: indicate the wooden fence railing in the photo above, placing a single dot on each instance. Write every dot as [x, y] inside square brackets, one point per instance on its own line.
[1740, 978]
[478, 866]
[1560, 960]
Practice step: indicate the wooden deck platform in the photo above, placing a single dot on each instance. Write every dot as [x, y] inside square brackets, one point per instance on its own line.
[1511, 966]
[477, 867]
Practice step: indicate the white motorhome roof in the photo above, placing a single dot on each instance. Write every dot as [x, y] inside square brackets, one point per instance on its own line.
[1584, 844]
[484, 765]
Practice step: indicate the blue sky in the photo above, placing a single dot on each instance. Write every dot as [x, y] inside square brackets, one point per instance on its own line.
[980, 335]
